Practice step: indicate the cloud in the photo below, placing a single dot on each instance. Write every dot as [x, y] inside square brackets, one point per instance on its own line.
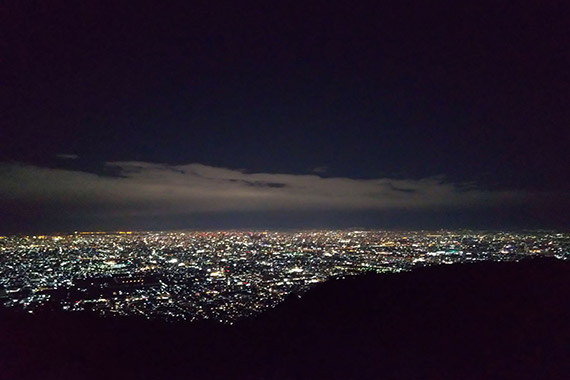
[320, 169]
[67, 156]
[146, 189]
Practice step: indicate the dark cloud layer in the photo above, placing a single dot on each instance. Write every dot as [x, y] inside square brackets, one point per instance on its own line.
[149, 195]
[154, 188]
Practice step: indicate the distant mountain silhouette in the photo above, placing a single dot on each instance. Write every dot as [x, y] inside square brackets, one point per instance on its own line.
[486, 320]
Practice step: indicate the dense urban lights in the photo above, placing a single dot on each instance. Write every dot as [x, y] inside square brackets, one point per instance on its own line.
[227, 275]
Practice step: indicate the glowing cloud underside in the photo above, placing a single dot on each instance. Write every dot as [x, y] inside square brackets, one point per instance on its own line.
[144, 188]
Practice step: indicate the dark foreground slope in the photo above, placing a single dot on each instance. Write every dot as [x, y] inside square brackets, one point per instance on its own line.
[489, 320]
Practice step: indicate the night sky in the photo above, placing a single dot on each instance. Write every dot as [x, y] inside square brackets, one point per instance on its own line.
[284, 114]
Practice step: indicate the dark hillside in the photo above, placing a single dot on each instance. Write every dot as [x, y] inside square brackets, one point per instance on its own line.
[488, 320]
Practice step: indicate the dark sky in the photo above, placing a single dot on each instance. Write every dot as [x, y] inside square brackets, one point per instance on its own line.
[284, 114]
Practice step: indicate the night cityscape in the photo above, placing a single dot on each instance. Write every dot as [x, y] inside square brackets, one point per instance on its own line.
[284, 189]
[228, 275]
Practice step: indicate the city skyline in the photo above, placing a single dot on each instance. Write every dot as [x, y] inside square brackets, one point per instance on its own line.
[228, 275]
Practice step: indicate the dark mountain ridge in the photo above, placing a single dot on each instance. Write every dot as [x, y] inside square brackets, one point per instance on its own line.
[485, 320]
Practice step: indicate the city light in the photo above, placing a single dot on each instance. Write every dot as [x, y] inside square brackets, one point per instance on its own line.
[226, 276]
